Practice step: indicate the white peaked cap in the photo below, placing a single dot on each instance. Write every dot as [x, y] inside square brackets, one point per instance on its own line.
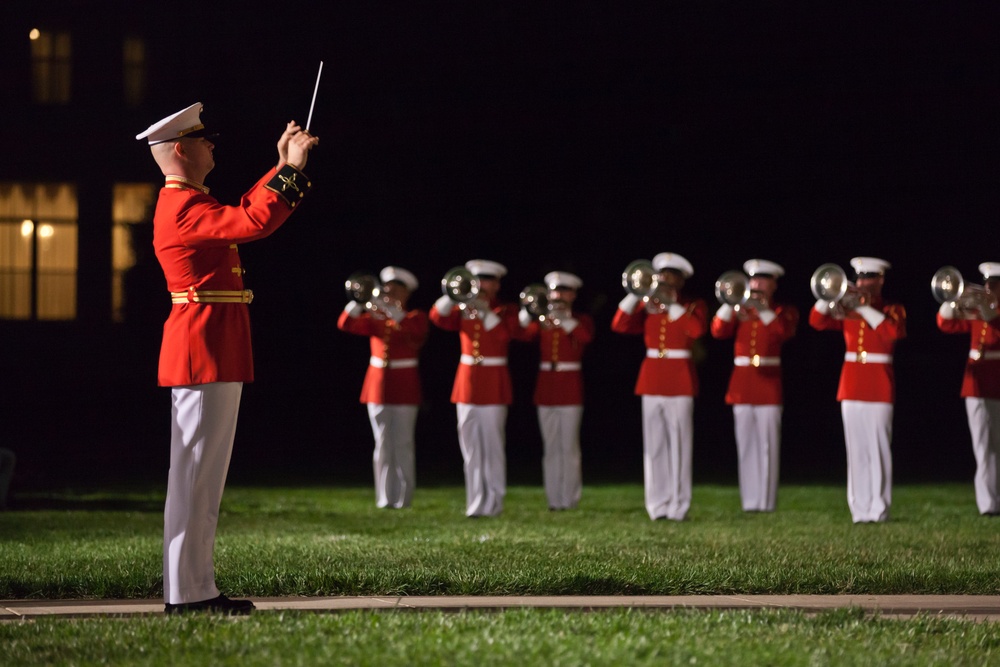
[485, 267]
[184, 123]
[399, 274]
[990, 269]
[669, 260]
[556, 279]
[870, 265]
[754, 266]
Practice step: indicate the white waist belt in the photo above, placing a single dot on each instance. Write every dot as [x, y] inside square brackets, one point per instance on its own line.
[470, 360]
[653, 353]
[868, 358]
[379, 362]
[976, 355]
[560, 366]
[756, 360]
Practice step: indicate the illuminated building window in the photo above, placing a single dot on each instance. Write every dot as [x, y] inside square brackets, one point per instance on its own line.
[38, 251]
[134, 59]
[132, 205]
[50, 62]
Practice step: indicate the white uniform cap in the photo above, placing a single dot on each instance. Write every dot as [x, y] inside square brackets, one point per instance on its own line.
[556, 279]
[870, 265]
[669, 260]
[184, 123]
[753, 267]
[400, 275]
[484, 267]
[990, 270]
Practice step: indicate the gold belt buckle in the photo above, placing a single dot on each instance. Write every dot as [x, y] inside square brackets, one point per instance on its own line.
[662, 354]
[755, 361]
[863, 357]
[477, 359]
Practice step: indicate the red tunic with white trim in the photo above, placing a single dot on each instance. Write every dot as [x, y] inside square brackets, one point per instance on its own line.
[195, 239]
[662, 375]
[555, 386]
[982, 376]
[483, 383]
[391, 342]
[861, 381]
[759, 381]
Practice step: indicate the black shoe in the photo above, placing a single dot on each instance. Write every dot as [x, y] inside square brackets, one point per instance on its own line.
[220, 605]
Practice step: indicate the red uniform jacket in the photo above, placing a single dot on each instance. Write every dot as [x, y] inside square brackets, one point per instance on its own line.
[561, 387]
[195, 239]
[761, 384]
[390, 342]
[873, 382]
[482, 384]
[982, 376]
[661, 375]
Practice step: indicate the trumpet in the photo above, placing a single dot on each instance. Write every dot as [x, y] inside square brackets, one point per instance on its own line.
[829, 283]
[460, 285]
[641, 279]
[733, 288]
[971, 300]
[367, 289]
[535, 299]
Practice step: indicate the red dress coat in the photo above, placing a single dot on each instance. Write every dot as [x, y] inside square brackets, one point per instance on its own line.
[390, 342]
[561, 387]
[482, 384]
[761, 384]
[195, 239]
[872, 382]
[661, 375]
[982, 376]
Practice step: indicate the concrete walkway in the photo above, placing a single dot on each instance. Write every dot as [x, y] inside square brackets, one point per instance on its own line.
[969, 607]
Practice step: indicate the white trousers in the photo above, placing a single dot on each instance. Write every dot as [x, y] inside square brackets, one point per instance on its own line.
[868, 436]
[203, 426]
[667, 436]
[482, 435]
[984, 425]
[561, 470]
[758, 447]
[393, 460]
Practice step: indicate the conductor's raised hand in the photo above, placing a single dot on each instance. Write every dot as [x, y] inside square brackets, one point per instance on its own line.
[294, 145]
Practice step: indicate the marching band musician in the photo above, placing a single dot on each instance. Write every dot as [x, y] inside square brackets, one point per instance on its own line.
[391, 387]
[981, 385]
[670, 324]
[871, 326]
[206, 354]
[482, 389]
[558, 398]
[761, 327]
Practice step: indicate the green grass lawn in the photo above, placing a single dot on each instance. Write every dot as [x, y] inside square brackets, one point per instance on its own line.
[333, 541]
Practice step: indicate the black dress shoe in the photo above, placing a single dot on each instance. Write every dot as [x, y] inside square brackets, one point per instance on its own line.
[219, 605]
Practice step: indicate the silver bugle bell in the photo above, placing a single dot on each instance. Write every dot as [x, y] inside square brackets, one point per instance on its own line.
[460, 285]
[948, 286]
[639, 278]
[535, 299]
[829, 283]
[733, 288]
[362, 287]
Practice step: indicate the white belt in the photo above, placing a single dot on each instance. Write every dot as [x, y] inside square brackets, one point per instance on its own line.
[560, 366]
[470, 360]
[379, 362]
[654, 353]
[976, 355]
[756, 360]
[868, 358]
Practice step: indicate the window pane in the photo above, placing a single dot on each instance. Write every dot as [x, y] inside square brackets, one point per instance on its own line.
[15, 272]
[56, 271]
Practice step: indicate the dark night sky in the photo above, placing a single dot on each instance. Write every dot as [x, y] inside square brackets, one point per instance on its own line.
[582, 136]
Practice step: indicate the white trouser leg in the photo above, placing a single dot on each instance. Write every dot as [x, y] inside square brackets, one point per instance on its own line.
[560, 427]
[868, 436]
[984, 425]
[667, 436]
[202, 430]
[393, 460]
[758, 446]
[482, 437]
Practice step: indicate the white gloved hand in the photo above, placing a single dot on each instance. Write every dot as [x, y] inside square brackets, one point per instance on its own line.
[629, 303]
[444, 305]
[354, 309]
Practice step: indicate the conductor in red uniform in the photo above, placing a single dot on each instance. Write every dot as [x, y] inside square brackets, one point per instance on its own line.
[562, 334]
[670, 323]
[981, 382]
[482, 390]
[760, 327]
[392, 384]
[205, 355]
[871, 326]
